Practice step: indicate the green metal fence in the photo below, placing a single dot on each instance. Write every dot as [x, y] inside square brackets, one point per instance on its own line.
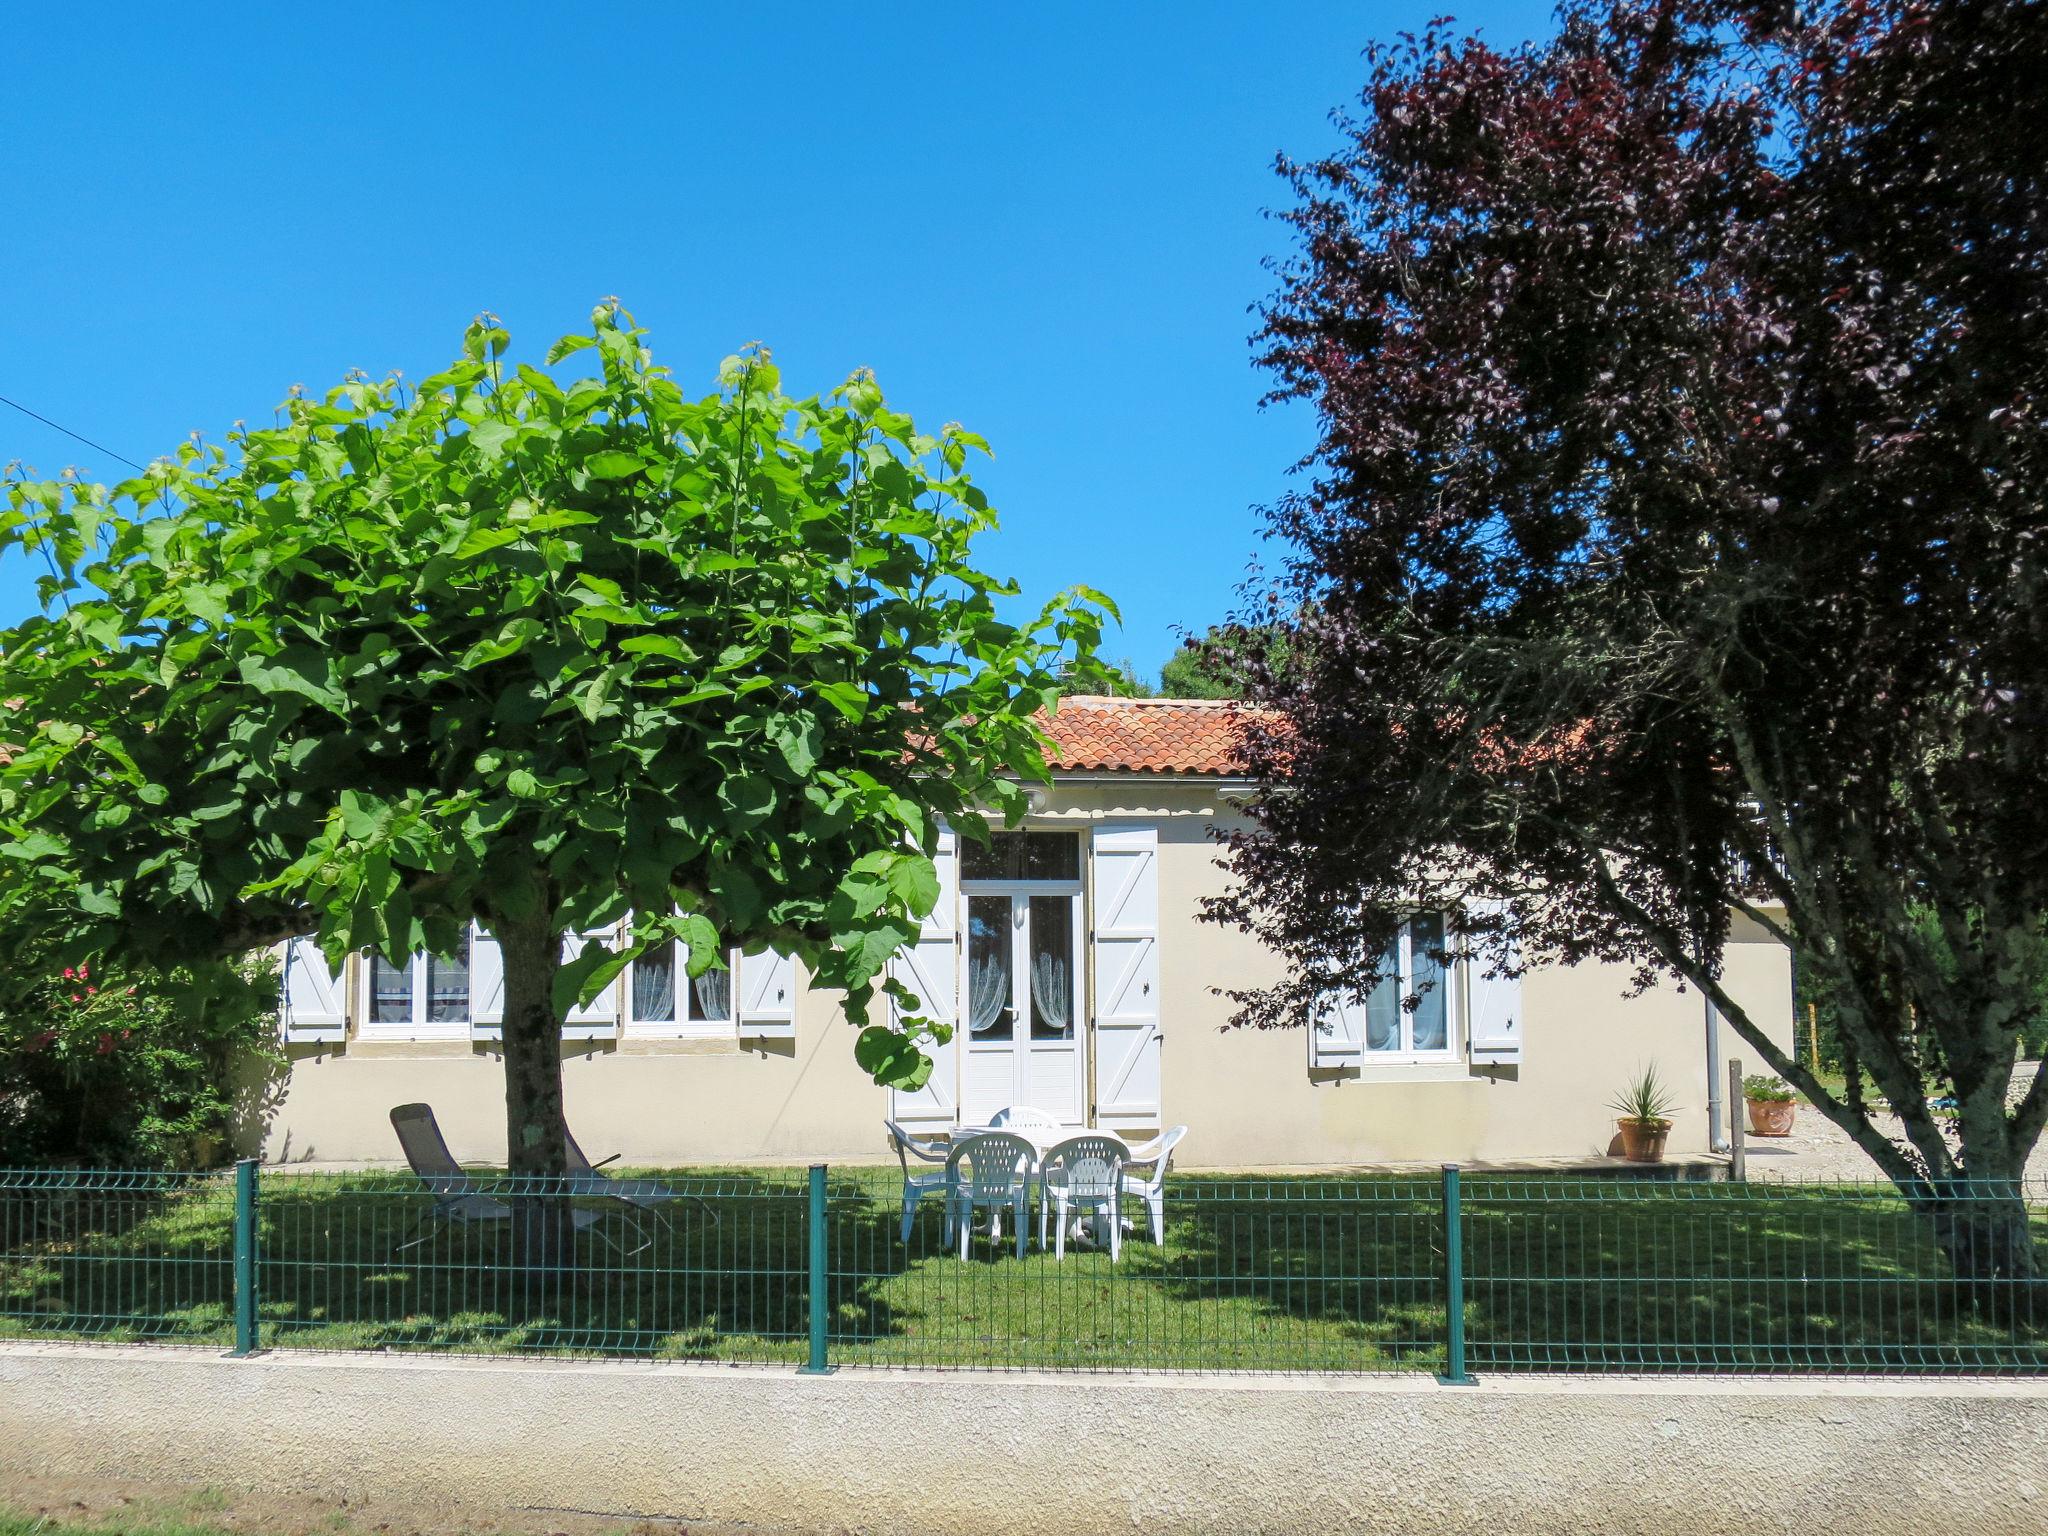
[1452, 1276]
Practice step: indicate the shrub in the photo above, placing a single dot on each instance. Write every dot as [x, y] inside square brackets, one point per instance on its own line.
[114, 1070]
[1766, 1090]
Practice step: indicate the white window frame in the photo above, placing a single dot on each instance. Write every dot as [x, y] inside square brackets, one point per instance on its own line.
[1359, 1051]
[685, 1026]
[369, 1027]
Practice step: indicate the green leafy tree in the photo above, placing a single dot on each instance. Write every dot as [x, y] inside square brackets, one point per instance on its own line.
[1222, 663]
[532, 653]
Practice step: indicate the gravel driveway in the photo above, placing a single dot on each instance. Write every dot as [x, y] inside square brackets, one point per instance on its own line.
[1816, 1149]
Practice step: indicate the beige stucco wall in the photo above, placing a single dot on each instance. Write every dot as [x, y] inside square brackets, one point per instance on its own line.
[914, 1452]
[1247, 1097]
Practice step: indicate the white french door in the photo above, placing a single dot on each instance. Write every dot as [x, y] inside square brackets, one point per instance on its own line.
[1020, 1019]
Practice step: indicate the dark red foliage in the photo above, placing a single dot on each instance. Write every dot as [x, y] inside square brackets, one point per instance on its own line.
[1672, 546]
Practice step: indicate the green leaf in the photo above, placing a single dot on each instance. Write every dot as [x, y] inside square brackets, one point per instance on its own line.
[915, 879]
[490, 437]
[595, 967]
[798, 739]
[611, 464]
[891, 1059]
[750, 797]
[298, 669]
[207, 603]
[657, 645]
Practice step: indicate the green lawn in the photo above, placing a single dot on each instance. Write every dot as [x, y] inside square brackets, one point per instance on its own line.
[1304, 1274]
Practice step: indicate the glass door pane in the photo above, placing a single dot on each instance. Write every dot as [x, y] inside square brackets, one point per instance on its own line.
[990, 1015]
[1052, 968]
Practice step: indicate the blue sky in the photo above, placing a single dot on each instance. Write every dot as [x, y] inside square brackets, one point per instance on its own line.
[1044, 221]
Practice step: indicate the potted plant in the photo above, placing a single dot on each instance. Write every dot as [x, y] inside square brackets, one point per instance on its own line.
[1771, 1106]
[1645, 1123]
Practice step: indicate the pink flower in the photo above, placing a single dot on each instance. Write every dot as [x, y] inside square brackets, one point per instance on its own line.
[69, 974]
[76, 998]
[92, 991]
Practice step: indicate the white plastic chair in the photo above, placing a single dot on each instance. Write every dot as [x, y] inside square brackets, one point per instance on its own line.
[993, 1169]
[1151, 1188]
[1082, 1173]
[916, 1186]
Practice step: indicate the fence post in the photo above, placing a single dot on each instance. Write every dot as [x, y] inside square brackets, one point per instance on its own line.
[245, 1257]
[1454, 1373]
[1738, 1159]
[818, 1292]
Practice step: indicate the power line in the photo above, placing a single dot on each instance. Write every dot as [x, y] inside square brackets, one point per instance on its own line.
[77, 436]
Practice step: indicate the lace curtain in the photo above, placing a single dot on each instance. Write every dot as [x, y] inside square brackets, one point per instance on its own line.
[713, 992]
[654, 986]
[1052, 990]
[988, 992]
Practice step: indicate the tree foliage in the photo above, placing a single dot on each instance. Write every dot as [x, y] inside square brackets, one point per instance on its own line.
[1672, 552]
[531, 652]
[1219, 663]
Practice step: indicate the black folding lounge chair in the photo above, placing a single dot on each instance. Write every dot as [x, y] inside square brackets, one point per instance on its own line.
[459, 1196]
[586, 1178]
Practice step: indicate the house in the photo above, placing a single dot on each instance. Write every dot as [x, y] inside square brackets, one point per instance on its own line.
[1071, 957]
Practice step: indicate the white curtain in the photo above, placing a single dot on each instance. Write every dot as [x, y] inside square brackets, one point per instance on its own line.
[1052, 990]
[713, 991]
[654, 986]
[988, 992]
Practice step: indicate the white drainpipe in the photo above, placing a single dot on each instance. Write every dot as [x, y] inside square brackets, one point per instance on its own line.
[1717, 1139]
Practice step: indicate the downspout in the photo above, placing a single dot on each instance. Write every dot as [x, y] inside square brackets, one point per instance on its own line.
[1717, 1140]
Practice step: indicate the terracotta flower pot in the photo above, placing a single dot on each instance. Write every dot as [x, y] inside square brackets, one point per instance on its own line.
[1642, 1141]
[1771, 1117]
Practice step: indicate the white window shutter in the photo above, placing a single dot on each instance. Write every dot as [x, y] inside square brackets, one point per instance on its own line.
[766, 985]
[1495, 1010]
[1336, 1035]
[315, 1002]
[486, 985]
[931, 969]
[599, 1017]
[1125, 955]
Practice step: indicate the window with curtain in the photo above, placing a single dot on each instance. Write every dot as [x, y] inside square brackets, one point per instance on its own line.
[660, 991]
[1408, 1012]
[424, 989]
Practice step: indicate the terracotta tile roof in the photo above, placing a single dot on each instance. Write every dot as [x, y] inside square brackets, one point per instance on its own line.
[1093, 734]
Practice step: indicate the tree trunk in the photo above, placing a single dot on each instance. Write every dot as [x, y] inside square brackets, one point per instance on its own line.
[1983, 1229]
[536, 1134]
[1981, 1221]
